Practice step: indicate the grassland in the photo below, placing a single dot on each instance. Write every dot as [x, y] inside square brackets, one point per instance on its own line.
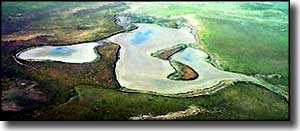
[262, 52]
[69, 22]
[245, 37]
[98, 103]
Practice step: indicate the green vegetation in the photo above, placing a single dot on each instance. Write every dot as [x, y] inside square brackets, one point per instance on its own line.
[70, 22]
[171, 23]
[240, 50]
[179, 72]
[245, 102]
[13, 8]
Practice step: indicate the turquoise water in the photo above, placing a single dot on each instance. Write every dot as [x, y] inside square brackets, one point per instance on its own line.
[141, 36]
[61, 51]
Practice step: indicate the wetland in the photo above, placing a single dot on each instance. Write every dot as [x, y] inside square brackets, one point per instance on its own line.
[136, 61]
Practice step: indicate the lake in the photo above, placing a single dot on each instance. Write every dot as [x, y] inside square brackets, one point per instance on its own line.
[139, 71]
[78, 53]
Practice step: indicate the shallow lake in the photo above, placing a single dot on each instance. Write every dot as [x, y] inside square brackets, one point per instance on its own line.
[137, 69]
[79, 53]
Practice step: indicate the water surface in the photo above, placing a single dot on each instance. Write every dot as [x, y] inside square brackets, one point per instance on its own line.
[79, 53]
[137, 69]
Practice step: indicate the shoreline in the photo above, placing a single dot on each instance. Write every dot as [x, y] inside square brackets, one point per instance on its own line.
[195, 92]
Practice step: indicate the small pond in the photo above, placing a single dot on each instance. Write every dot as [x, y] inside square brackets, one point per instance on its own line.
[79, 53]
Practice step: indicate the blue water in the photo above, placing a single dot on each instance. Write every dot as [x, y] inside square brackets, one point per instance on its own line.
[142, 36]
[187, 57]
[61, 51]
